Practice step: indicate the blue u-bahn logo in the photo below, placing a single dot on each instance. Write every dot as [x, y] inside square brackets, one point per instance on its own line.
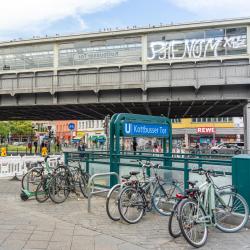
[145, 130]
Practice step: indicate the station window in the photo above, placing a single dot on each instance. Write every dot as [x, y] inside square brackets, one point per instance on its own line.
[176, 120]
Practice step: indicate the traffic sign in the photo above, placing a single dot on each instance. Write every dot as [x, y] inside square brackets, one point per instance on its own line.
[145, 129]
[71, 126]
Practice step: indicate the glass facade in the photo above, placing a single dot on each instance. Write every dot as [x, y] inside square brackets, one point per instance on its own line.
[120, 50]
[169, 45]
[197, 44]
[26, 57]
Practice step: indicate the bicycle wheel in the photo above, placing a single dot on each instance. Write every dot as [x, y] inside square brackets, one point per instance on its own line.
[83, 183]
[112, 202]
[131, 205]
[164, 197]
[192, 223]
[173, 223]
[31, 179]
[42, 191]
[231, 212]
[59, 188]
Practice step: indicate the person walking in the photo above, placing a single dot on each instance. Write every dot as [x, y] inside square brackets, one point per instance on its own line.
[30, 147]
[81, 148]
[134, 145]
[35, 145]
[58, 146]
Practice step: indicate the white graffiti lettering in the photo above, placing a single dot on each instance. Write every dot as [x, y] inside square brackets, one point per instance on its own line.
[194, 48]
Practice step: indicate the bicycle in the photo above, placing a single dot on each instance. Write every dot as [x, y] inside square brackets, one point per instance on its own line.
[113, 194]
[173, 222]
[135, 201]
[211, 206]
[33, 178]
[69, 181]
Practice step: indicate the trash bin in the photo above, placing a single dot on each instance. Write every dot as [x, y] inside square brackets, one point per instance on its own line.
[241, 175]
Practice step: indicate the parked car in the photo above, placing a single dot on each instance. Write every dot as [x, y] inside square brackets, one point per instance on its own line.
[226, 148]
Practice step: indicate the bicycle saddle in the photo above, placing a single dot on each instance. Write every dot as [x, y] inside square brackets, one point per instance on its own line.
[134, 172]
[126, 177]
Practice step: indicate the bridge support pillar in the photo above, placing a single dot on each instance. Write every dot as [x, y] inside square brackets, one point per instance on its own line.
[246, 114]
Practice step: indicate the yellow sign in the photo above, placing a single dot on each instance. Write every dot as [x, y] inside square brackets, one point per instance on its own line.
[3, 152]
[44, 151]
[80, 133]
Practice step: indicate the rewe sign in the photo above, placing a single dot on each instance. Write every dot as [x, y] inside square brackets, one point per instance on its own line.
[205, 130]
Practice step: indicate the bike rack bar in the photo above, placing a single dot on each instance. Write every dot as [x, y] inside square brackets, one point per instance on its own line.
[91, 183]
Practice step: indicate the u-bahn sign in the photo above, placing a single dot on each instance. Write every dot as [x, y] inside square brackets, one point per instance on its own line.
[131, 129]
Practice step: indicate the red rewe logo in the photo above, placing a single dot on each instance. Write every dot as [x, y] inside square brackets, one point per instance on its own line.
[205, 130]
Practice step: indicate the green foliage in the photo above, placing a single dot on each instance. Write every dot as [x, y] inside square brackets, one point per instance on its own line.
[18, 128]
[4, 129]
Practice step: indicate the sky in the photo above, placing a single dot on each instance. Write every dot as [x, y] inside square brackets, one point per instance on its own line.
[27, 18]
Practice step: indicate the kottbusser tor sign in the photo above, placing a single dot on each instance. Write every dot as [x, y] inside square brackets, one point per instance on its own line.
[145, 130]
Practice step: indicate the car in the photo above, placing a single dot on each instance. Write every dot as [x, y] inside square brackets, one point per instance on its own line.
[226, 148]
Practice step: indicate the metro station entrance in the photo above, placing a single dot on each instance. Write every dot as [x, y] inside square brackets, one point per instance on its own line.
[132, 126]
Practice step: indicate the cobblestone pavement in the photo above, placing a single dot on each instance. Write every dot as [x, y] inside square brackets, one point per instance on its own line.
[30, 225]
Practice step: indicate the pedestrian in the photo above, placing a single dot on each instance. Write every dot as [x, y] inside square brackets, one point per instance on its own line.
[58, 146]
[30, 147]
[81, 148]
[35, 145]
[155, 147]
[134, 145]
[197, 148]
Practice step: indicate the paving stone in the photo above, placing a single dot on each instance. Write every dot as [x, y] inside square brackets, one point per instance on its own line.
[19, 236]
[41, 235]
[83, 243]
[39, 244]
[59, 245]
[11, 244]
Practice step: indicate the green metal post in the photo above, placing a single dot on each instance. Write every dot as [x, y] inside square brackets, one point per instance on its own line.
[111, 149]
[87, 163]
[66, 158]
[186, 174]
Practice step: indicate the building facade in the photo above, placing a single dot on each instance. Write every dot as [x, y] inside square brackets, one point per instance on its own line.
[207, 130]
[63, 133]
[91, 132]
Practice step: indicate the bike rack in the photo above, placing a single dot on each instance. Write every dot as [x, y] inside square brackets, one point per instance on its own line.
[91, 191]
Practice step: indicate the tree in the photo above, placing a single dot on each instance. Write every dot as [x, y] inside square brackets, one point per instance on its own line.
[4, 130]
[21, 128]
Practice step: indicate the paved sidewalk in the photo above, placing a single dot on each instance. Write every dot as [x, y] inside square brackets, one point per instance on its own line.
[30, 225]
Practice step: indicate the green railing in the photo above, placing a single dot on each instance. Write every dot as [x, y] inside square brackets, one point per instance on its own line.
[176, 162]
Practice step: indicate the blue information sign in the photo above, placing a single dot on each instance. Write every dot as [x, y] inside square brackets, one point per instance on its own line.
[145, 130]
[71, 126]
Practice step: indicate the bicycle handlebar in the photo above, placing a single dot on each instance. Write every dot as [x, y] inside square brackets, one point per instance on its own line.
[202, 171]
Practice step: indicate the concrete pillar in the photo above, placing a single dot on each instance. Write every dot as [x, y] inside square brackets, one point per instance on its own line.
[186, 138]
[56, 56]
[144, 41]
[246, 115]
[55, 66]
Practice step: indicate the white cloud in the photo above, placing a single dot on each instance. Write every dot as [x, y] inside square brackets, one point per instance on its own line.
[218, 9]
[38, 14]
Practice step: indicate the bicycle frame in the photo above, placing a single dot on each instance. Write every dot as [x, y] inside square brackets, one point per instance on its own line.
[207, 199]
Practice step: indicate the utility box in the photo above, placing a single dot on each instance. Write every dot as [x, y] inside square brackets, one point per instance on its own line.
[241, 175]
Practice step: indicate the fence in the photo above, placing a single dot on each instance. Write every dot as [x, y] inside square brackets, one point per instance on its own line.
[176, 166]
[18, 165]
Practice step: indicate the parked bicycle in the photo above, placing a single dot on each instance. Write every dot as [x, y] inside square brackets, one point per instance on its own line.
[35, 175]
[135, 201]
[74, 179]
[210, 205]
